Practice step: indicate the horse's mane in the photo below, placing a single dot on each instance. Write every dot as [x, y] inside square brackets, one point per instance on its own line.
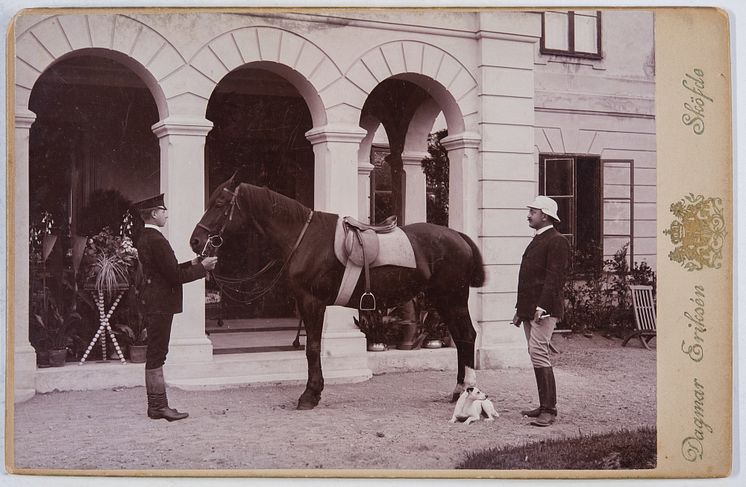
[273, 203]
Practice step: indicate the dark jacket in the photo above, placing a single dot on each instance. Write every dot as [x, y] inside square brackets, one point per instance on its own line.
[541, 279]
[163, 275]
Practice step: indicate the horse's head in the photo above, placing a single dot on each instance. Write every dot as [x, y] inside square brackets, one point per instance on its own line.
[220, 217]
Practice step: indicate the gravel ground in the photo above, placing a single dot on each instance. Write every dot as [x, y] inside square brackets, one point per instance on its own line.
[393, 421]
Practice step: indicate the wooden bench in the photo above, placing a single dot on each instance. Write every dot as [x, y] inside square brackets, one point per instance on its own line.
[644, 309]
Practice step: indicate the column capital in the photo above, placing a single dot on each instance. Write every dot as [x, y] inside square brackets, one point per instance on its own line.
[365, 167]
[180, 125]
[414, 158]
[464, 140]
[24, 118]
[334, 132]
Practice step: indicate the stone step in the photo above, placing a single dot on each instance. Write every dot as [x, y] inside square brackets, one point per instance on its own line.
[265, 340]
[259, 324]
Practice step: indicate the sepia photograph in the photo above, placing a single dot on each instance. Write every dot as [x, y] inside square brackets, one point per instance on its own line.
[349, 242]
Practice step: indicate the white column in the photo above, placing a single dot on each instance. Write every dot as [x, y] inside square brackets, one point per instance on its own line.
[182, 142]
[415, 191]
[336, 190]
[24, 355]
[335, 149]
[464, 195]
[364, 168]
[463, 182]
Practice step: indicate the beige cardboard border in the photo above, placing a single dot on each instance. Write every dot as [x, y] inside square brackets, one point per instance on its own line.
[686, 39]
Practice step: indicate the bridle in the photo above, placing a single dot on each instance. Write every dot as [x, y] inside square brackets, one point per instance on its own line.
[232, 284]
[215, 239]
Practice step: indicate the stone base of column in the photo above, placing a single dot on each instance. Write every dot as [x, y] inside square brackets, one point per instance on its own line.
[24, 373]
[341, 339]
[340, 335]
[181, 350]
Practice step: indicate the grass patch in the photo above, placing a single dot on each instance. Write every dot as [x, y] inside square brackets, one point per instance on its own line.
[622, 449]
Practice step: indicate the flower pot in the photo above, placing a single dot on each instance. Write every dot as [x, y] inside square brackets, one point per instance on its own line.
[57, 358]
[433, 343]
[377, 347]
[137, 353]
[408, 336]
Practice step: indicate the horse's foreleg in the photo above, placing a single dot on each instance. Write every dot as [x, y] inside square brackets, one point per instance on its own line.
[313, 317]
[463, 334]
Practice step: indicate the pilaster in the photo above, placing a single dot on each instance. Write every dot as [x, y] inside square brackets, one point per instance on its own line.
[23, 366]
[335, 148]
[182, 143]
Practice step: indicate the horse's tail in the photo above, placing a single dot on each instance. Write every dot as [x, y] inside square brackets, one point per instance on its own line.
[478, 276]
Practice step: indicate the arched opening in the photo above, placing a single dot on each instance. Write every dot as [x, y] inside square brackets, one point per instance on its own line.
[92, 133]
[260, 120]
[411, 126]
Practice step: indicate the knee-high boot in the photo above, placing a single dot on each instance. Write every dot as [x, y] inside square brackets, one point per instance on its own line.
[547, 397]
[155, 387]
[534, 413]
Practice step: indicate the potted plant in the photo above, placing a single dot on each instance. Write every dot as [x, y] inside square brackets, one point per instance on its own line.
[435, 330]
[54, 331]
[134, 333]
[110, 262]
[379, 332]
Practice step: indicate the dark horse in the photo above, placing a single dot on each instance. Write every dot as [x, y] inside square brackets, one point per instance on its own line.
[448, 262]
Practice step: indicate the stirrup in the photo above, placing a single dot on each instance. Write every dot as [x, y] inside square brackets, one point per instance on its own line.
[367, 302]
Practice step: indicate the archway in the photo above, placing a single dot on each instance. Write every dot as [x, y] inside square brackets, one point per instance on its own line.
[92, 132]
[405, 109]
[260, 120]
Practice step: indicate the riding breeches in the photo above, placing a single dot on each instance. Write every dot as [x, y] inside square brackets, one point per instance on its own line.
[538, 335]
[159, 334]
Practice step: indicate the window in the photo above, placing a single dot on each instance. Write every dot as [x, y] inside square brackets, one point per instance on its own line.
[574, 182]
[571, 33]
[381, 205]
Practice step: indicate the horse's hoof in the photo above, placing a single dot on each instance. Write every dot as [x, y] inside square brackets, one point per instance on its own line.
[455, 396]
[305, 402]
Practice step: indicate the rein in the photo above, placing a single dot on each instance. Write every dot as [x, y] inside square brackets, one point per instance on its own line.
[225, 283]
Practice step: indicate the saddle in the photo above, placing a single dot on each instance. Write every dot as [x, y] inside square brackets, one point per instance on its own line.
[361, 240]
[359, 246]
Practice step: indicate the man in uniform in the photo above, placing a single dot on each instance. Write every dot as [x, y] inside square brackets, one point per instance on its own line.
[161, 296]
[540, 302]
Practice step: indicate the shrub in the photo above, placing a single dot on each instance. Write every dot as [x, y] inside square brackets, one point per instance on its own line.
[598, 297]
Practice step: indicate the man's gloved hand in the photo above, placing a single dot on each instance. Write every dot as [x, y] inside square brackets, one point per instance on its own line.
[209, 263]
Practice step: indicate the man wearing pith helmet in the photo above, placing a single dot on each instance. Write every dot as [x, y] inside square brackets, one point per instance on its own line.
[161, 297]
[540, 302]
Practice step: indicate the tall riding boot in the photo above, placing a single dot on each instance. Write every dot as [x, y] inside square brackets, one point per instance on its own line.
[547, 398]
[534, 413]
[155, 387]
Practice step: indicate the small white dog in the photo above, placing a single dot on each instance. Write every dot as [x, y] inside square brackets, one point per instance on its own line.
[472, 402]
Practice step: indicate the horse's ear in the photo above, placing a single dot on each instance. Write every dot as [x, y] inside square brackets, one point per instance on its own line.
[233, 181]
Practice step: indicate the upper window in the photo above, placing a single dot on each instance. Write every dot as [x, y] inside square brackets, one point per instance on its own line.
[571, 33]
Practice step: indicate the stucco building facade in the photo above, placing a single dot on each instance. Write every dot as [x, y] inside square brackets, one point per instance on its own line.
[516, 108]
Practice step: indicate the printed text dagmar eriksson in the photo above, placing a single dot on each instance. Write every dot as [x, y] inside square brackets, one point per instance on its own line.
[692, 447]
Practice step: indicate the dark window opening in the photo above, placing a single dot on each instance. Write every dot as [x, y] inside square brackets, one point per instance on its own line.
[575, 183]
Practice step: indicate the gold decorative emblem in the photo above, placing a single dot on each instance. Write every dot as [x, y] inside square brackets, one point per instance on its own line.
[698, 232]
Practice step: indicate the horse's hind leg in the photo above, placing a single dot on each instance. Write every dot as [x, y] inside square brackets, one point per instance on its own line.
[312, 312]
[458, 320]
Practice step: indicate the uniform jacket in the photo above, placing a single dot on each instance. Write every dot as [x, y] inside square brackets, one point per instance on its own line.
[163, 275]
[542, 275]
